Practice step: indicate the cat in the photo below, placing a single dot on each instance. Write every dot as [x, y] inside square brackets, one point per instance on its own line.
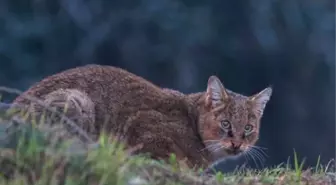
[199, 128]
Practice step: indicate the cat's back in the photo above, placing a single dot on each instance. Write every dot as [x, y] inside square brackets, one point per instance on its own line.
[114, 92]
[95, 80]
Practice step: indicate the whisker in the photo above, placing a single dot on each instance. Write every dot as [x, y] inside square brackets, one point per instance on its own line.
[259, 156]
[211, 141]
[254, 146]
[261, 149]
[209, 147]
[261, 153]
[260, 160]
[219, 148]
[249, 157]
[246, 157]
[252, 157]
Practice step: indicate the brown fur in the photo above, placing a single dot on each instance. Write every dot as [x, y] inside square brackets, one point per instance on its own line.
[163, 120]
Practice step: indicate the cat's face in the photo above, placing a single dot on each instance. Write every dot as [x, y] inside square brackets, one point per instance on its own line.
[229, 123]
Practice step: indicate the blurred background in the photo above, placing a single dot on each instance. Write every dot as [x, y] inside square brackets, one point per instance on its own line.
[249, 45]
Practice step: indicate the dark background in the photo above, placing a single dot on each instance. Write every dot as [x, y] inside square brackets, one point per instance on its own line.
[250, 45]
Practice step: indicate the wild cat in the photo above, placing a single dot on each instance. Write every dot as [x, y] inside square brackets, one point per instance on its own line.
[199, 128]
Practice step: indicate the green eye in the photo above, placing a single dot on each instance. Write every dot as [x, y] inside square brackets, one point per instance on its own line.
[248, 128]
[225, 124]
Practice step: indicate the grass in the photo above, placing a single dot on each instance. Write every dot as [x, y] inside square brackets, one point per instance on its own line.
[30, 154]
[27, 157]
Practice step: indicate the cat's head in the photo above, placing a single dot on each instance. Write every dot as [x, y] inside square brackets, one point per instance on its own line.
[229, 122]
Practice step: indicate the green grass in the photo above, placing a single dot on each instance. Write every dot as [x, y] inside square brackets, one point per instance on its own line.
[29, 155]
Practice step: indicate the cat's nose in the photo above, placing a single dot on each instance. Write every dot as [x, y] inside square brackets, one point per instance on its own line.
[236, 144]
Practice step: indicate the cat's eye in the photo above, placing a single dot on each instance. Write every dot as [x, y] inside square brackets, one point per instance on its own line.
[225, 124]
[248, 128]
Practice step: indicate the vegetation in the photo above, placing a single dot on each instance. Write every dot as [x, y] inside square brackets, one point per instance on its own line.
[30, 154]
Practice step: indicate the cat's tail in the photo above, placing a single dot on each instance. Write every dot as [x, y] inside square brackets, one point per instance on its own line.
[71, 110]
[73, 104]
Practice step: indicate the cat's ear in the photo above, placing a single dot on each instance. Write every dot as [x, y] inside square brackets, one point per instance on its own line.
[215, 93]
[260, 100]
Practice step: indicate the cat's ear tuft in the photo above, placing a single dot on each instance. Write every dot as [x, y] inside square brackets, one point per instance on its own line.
[260, 100]
[216, 93]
